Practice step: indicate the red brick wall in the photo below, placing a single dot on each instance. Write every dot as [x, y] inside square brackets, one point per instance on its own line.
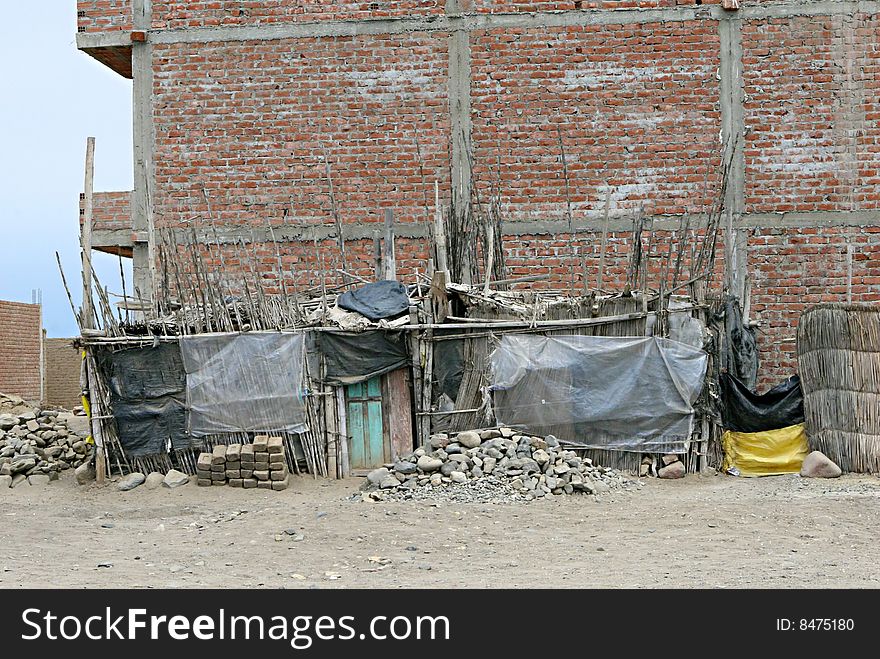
[812, 107]
[269, 112]
[20, 340]
[170, 14]
[636, 107]
[104, 15]
[110, 210]
[793, 269]
[62, 367]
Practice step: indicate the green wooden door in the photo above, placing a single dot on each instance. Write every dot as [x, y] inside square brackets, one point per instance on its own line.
[366, 434]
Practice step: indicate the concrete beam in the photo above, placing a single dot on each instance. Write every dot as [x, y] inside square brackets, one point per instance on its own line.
[456, 21]
[90, 40]
[112, 238]
[422, 230]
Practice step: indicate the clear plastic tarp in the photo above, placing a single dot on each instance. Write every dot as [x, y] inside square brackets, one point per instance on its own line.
[250, 382]
[628, 393]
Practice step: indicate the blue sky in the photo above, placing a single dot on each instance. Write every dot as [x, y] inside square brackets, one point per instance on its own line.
[53, 98]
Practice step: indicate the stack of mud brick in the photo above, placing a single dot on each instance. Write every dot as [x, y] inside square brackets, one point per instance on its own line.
[262, 464]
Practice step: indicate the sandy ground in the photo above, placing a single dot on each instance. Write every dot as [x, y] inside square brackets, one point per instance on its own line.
[714, 531]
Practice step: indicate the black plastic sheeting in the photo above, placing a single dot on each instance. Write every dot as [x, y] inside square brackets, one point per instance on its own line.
[353, 358]
[740, 350]
[382, 299]
[147, 397]
[743, 410]
[449, 366]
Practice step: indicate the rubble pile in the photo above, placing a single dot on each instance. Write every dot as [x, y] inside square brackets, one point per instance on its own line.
[36, 444]
[496, 464]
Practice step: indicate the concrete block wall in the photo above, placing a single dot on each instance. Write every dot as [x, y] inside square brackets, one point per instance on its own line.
[62, 369]
[246, 103]
[21, 335]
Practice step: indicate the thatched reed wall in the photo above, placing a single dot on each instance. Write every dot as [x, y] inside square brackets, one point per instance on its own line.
[839, 364]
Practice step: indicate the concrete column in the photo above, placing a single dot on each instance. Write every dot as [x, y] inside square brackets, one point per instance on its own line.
[460, 104]
[142, 106]
[733, 136]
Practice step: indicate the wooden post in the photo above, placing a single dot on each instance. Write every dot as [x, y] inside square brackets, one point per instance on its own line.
[88, 312]
[377, 254]
[849, 271]
[96, 410]
[490, 260]
[439, 231]
[600, 277]
[390, 264]
[342, 429]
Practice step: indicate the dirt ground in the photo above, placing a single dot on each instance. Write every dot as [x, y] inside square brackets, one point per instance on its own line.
[712, 531]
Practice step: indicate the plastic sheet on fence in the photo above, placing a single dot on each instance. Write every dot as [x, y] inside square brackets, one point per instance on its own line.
[147, 396]
[353, 358]
[249, 382]
[767, 453]
[739, 354]
[629, 394]
[743, 410]
[381, 299]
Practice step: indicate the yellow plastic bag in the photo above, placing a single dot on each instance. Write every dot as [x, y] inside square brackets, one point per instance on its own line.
[767, 453]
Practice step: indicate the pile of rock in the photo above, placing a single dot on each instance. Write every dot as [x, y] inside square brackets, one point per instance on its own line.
[262, 464]
[669, 466]
[489, 465]
[37, 444]
[153, 480]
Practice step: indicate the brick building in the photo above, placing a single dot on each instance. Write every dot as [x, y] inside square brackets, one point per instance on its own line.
[286, 115]
[21, 350]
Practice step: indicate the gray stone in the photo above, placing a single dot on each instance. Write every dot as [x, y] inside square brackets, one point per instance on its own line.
[468, 439]
[154, 480]
[428, 464]
[541, 456]
[39, 479]
[404, 467]
[24, 417]
[376, 476]
[530, 466]
[175, 478]
[489, 434]
[489, 465]
[5, 482]
[674, 470]
[33, 426]
[448, 467]
[458, 477]
[461, 458]
[18, 479]
[7, 421]
[600, 487]
[564, 468]
[453, 448]
[551, 441]
[517, 484]
[439, 440]
[476, 472]
[506, 432]
[819, 465]
[436, 479]
[669, 459]
[131, 481]
[389, 482]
